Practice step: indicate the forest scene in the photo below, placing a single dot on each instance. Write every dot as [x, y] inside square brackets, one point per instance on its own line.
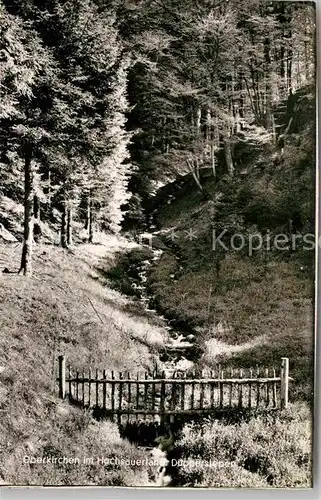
[157, 243]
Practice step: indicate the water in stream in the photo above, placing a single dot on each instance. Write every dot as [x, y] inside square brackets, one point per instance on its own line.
[178, 353]
[177, 357]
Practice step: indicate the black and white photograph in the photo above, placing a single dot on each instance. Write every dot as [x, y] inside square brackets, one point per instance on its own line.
[158, 243]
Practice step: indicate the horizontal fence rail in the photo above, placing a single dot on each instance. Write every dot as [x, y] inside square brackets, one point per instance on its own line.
[122, 394]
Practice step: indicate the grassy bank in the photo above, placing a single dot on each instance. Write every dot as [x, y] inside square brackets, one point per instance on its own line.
[247, 307]
[249, 314]
[65, 309]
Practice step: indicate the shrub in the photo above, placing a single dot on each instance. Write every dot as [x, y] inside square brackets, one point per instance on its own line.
[89, 440]
[266, 451]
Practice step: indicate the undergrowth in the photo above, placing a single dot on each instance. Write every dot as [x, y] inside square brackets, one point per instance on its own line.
[273, 450]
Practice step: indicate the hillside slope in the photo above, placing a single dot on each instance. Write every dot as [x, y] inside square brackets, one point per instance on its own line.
[245, 303]
[64, 309]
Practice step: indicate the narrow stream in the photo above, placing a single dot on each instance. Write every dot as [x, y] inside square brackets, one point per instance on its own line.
[177, 357]
[179, 350]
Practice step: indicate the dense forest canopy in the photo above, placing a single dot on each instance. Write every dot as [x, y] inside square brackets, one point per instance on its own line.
[104, 101]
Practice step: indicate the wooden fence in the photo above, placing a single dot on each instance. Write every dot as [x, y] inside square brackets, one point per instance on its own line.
[154, 395]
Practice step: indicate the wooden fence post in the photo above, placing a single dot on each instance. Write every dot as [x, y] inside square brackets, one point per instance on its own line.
[284, 383]
[162, 398]
[104, 391]
[62, 376]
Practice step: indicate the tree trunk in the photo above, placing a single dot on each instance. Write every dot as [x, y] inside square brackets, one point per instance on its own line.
[241, 99]
[289, 53]
[90, 222]
[49, 188]
[210, 140]
[36, 207]
[197, 181]
[195, 173]
[26, 259]
[269, 116]
[69, 226]
[36, 211]
[268, 94]
[289, 70]
[208, 126]
[228, 156]
[87, 216]
[234, 103]
[306, 56]
[213, 159]
[282, 70]
[91, 230]
[164, 145]
[281, 16]
[198, 120]
[63, 236]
